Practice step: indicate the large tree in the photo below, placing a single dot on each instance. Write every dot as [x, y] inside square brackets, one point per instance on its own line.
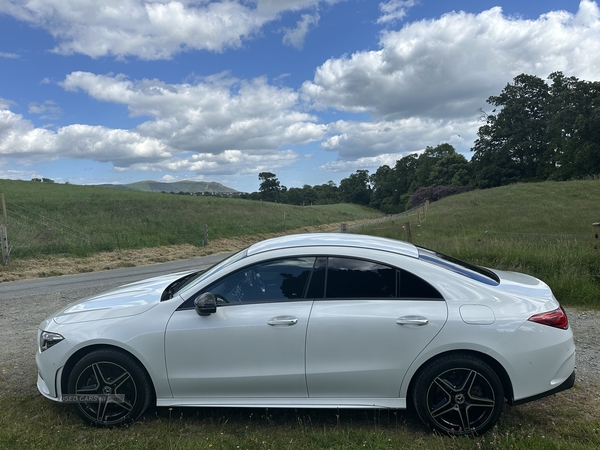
[270, 188]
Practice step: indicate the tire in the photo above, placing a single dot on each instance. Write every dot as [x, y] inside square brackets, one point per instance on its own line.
[109, 388]
[458, 395]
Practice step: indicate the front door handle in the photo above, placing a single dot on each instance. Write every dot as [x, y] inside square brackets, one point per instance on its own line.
[283, 320]
[413, 320]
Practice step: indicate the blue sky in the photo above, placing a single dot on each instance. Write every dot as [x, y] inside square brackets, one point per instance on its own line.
[120, 91]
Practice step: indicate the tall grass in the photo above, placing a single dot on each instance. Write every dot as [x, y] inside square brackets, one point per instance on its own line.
[543, 229]
[81, 220]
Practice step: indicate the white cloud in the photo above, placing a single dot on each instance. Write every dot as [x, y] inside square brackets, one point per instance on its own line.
[9, 55]
[216, 125]
[295, 37]
[447, 67]
[394, 10]
[210, 116]
[355, 140]
[149, 29]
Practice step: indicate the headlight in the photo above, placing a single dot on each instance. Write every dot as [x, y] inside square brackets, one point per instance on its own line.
[48, 340]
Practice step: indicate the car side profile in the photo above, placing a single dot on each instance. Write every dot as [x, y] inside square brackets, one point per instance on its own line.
[322, 320]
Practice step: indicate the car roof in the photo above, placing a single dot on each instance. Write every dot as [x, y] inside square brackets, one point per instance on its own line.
[335, 240]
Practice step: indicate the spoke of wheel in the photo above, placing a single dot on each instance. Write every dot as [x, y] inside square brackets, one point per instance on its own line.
[101, 413]
[444, 409]
[469, 380]
[118, 382]
[98, 373]
[445, 386]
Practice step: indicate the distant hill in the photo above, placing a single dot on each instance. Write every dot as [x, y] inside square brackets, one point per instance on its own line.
[193, 187]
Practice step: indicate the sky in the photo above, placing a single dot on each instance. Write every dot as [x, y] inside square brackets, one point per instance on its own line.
[119, 91]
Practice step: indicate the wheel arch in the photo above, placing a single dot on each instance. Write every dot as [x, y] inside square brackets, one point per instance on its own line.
[75, 357]
[490, 361]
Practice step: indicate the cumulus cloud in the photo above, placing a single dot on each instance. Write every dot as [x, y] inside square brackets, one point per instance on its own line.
[215, 125]
[20, 139]
[356, 140]
[447, 67]
[149, 29]
[210, 116]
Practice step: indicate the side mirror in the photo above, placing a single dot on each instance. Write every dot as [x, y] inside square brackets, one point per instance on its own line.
[206, 304]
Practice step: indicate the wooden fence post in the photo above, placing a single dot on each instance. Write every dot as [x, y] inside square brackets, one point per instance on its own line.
[3, 206]
[343, 227]
[4, 243]
[408, 232]
[205, 234]
[596, 235]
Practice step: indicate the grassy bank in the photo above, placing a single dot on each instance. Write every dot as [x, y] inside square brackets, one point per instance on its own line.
[53, 219]
[543, 229]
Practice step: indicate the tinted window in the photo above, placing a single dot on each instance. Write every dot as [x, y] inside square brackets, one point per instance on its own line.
[455, 265]
[355, 278]
[411, 286]
[277, 280]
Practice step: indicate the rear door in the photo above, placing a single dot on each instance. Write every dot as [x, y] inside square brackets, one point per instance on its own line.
[367, 325]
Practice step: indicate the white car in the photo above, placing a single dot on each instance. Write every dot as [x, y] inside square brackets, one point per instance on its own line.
[319, 321]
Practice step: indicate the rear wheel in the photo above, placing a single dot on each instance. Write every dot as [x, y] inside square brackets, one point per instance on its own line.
[109, 388]
[459, 395]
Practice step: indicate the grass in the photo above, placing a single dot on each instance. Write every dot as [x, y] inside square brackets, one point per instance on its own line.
[543, 229]
[33, 422]
[55, 219]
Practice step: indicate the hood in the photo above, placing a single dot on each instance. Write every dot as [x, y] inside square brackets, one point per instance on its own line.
[127, 300]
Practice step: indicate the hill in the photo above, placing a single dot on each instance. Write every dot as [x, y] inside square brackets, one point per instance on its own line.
[192, 187]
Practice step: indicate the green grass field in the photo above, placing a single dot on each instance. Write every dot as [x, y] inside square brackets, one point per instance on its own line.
[45, 219]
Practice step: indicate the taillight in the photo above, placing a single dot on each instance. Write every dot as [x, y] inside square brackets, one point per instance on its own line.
[557, 318]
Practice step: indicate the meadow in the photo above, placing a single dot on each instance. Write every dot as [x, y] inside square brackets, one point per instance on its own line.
[58, 219]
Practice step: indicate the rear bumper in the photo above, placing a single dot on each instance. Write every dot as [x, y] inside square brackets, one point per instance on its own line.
[567, 384]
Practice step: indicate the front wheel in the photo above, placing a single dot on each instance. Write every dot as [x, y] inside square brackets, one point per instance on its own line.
[459, 395]
[109, 388]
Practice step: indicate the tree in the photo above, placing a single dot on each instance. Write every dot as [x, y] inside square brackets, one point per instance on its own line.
[515, 141]
[384, 183]
[270, 189]
[356, 188]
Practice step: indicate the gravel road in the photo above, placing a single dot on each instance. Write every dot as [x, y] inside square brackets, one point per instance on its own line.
[23, 307]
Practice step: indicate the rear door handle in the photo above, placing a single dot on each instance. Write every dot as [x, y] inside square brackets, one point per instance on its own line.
[283, 320]
[412, 320]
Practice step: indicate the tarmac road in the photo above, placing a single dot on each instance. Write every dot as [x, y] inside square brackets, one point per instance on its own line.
[107, 279]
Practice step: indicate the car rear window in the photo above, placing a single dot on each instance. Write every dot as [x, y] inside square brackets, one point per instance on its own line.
[474, 272]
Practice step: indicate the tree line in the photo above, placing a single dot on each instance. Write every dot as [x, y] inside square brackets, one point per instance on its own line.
[536, 131]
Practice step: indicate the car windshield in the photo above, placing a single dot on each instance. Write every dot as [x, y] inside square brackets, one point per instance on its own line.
[456, 265]
[188, 280]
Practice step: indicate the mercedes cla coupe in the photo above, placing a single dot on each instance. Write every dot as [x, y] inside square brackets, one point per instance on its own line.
[314, 321]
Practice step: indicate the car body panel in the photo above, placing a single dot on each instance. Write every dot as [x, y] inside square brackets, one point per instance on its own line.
[269, 357]
[363, 348]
